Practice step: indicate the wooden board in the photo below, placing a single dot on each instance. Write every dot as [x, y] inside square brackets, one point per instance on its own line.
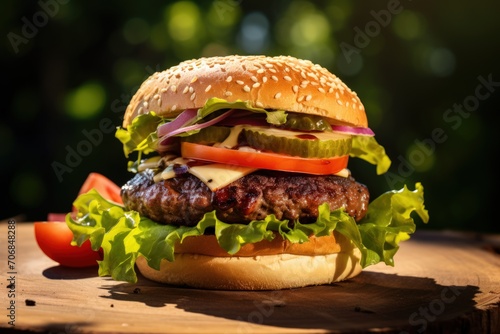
[442, 282]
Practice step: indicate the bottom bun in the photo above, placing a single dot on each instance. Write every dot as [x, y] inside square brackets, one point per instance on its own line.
[266, 272]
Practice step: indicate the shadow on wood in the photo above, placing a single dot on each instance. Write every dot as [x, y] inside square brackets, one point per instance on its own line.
[372, 300]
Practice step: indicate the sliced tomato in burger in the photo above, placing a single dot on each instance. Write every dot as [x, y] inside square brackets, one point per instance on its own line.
[264, 160]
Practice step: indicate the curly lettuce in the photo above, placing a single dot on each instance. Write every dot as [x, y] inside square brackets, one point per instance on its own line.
[124, 235]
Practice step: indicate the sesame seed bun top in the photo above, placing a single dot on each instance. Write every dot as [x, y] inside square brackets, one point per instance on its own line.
[277, 83]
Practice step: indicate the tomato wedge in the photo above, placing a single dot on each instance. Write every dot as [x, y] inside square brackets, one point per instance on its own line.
[54, 236]
[264, 160]
[54, 239]
[104, 186]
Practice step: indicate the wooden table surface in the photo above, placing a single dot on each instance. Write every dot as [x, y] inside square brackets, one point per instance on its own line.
[445, 282]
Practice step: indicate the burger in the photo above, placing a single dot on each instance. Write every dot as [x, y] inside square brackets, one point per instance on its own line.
[241, 181]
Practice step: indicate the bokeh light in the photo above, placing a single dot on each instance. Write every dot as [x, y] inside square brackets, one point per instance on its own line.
[310, 29]
[441, 62]
[408, 25]
[338, 13]
[183, 21]
[86, 101]
[254, 34]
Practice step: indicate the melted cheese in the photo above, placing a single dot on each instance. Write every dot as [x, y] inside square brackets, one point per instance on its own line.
[217, 176]
[343, 173]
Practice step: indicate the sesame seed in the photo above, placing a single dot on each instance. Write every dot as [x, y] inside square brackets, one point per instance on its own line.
[295, 89]
[246, 88]
[339, 101]
[300, 99]
[185, 90]
[156, 97]
[277, 95]
[173, 88]
[255, 85]
[193, 96]
[275, 78]
[191, 89]
[174, 107]
[260, 70]
[194, 79]
[320, 89]
[163, 90]
[254, 78]
[264, 79]
[312, 75]
[259, 104]
[308, 97]
[269, 65]
[272, 70]
[228, 93]
[229, 79]
[208, 88]
[145, 104]
[330, 90]
[347, 104]
[239, 82]
[287, 78]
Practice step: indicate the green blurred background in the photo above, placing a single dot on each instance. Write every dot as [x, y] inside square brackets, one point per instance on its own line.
[427, 73]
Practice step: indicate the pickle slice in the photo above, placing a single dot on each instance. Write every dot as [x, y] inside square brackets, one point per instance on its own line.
[209, 135]
[297, 143]
[303, 122]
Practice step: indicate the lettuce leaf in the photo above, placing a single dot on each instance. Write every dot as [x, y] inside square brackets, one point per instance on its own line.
[367, 148]
[124, 235]
[141, 134]
[275, 117]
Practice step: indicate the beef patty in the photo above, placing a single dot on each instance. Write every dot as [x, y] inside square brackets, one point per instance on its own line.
[184, 200]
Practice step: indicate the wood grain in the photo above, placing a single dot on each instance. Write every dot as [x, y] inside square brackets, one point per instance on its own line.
[443, 282]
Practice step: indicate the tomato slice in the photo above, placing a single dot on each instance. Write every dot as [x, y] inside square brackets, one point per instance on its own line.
[54, 239]
[104, 186]
[264, 160]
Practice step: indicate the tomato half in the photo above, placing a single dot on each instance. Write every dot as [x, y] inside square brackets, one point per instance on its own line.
[264, 160]
[54, 239]
[104, 186]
